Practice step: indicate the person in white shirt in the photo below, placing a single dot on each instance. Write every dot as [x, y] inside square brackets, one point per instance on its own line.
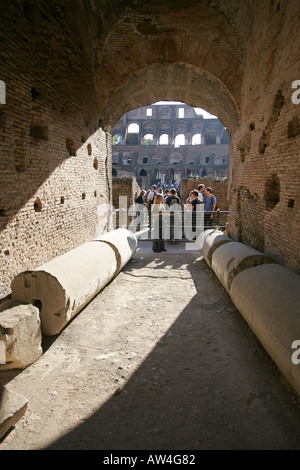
[152, 194]
[150, 201]
[201, 190]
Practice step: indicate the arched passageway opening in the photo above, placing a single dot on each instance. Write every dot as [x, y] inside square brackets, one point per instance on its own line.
[186, 145]
[207, 64]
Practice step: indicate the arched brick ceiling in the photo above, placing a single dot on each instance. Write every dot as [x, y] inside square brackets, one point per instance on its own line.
[189, 51]
[172, 82]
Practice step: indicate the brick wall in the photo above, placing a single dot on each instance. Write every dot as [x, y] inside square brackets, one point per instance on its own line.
[55, 162]
[126, 186]
[264, 177]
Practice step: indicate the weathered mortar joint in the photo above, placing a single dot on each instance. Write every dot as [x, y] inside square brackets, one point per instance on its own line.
[248, 262]
[230, 259]
[209, 241]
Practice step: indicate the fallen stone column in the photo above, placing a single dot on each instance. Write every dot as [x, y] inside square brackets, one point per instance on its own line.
[63, 286]
[124, 244]
[208, 241]
[230, 259]
[268, 297]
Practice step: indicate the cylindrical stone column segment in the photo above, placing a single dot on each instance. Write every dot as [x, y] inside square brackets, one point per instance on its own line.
[268, 297]
[232, 258]
[64, 285]
[208, 241]
[266, 294]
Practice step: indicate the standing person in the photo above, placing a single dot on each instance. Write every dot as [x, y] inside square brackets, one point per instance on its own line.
[150, 200]
[158, 243]
[172, 198]
[167, 194]
[152, 194]
[194, 203]
[140, 200]
[210, 204]
[188, 200]
[201, 191]
[170, 201]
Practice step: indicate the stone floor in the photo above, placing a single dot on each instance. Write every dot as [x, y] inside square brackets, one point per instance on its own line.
[160, 359]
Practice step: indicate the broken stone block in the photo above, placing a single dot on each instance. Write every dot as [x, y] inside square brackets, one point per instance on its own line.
[12, 408]
[20, 336]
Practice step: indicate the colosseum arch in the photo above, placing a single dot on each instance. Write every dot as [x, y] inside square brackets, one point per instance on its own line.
[227, 56]
[173, 58]
[210, 138]
[210, 57]
[164, 131]
[207, 93]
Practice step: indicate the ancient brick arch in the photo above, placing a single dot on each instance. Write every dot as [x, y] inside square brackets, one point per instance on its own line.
[72, 69]
[170, 82]
[202, 43]
[223, 56]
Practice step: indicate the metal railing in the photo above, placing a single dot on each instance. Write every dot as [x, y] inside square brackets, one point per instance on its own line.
[179, 225]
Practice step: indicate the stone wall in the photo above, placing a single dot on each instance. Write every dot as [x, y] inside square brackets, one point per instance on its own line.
[264, 181]
[167, 164]
[238, 61]
[126, 186]
[55, 162]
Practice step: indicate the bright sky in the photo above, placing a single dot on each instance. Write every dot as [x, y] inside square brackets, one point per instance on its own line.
[204, 113]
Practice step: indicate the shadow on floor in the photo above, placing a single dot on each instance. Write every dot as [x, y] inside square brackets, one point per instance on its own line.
[207, 384]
